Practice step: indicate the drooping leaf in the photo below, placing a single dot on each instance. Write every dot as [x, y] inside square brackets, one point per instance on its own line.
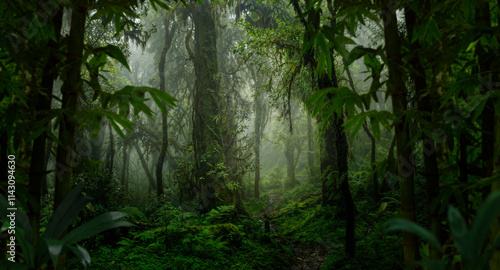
[66, 213]
[405, 225]
[97, 225]
[116, 53]
[461, 236]
[82, 254]
[54, 248]
[488, 212]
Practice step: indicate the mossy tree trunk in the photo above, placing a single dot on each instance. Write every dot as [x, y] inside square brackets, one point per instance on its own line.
[208, 156]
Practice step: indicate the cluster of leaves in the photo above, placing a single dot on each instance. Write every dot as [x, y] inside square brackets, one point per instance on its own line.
[53, 244]
[188, 243]
[104, 187]
[474, 254]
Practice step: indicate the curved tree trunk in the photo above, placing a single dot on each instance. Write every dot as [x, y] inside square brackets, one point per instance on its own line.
[169, 35]
[145, 166]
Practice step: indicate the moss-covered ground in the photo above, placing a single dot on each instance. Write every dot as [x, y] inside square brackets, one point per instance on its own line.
[303, 235]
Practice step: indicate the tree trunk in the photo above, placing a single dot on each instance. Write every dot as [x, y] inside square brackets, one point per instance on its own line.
[65, 157]
[169, 35]
[350, 211]
[111, 152]
[290, 163]
[123, 179]
[425, 105]
[372, 138]
[145, 166]
[328, 151]
[48, 150]
[38, 167]
[397, 90]
[206, 111]
[310, 149]
[258, 132]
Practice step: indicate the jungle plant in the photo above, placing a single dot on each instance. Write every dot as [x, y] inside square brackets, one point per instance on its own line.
[55, 243]
[471, 243]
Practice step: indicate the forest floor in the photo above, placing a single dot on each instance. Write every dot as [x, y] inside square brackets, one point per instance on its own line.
[302, 234]
[307, 256]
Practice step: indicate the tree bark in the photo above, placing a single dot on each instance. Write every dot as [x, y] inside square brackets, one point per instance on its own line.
[397, 90]
[38, 167]
[145, 166]
[258, 133]
[290, 163]
[206, 111]
[169, 35]
[110, 157]
[65, 157]
[350, 210]
[123, 180]
[310, 149]
[425, 105]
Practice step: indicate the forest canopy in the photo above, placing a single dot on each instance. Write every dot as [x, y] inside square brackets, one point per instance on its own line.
[250, 134]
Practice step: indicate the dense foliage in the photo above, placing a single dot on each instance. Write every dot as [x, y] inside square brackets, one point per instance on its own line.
[251, 134]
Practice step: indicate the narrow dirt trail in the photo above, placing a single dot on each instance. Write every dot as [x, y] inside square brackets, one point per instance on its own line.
[308, 257]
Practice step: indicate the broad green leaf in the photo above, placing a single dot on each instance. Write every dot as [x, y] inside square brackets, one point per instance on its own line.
[82, 254]
[325, 56]
[66, 213]
[161, 4]
[460, 234]
[356, 53]
[375, 127]
[115, 126]
[485, 216]
[316, 101]
[355, 122]
[54, 247]
[308, 43]
[25, 237]
[405, 225]
[116, 53]
[97, 225]
[165, 97]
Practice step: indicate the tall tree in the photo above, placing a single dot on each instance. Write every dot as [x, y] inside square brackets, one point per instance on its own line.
[258, 135]
[397, 90]
[206, 111]
[70, 91]
[169, 36]
[39, 158]
[425, 104]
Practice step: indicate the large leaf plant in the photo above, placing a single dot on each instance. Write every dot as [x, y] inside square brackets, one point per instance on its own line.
[55, 241]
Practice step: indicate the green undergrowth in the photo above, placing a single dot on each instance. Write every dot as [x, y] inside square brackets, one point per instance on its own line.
[175, 239]
[302, 220]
